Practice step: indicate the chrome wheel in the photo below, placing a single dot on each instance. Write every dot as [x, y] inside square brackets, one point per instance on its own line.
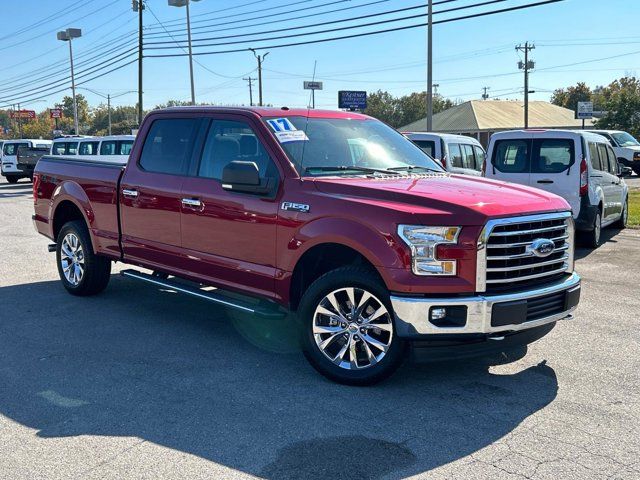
[597, 229]
[72, 259]
[352, 328]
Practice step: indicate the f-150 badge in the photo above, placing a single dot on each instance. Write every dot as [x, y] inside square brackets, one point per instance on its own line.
[295, 207]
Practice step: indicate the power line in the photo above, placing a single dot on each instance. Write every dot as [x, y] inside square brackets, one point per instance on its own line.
[332, 22]
[365, 34]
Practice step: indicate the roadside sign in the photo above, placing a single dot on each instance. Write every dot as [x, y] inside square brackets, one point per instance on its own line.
[312, 85]
[55, 112]
[352, 100]
[585, 110]
[22, 114]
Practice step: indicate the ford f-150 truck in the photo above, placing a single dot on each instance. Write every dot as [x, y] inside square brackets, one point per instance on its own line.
[332, 217]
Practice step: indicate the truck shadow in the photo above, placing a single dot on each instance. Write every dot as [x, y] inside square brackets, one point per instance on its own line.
[142, 362]
[607, 236]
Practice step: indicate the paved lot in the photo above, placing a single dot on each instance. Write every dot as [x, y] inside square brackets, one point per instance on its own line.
[141, 383]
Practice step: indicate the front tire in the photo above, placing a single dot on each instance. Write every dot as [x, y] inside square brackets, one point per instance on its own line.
[348, 327]
[81, 271]
[594, 236]
[624, 216]
[12, 178]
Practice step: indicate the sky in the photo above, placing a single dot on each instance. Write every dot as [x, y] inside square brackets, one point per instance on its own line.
[575, 40]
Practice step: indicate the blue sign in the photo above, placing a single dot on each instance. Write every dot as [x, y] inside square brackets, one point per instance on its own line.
[352, 100]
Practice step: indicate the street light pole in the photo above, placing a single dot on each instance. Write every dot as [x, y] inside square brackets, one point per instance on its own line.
[430, 67]
[185, 3]
[67, 36]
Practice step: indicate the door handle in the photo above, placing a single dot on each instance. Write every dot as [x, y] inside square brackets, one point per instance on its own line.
[192, 202]
[545, 181]
[130, 193]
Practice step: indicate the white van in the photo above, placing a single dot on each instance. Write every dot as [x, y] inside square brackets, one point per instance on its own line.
[456, 153]
[625, 146]
[9, 157]
[112, 149]
[579, 166]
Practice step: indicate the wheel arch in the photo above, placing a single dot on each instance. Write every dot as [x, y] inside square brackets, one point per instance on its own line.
[70, 202]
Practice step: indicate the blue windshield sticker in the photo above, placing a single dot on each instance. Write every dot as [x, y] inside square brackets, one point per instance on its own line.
[281, 125]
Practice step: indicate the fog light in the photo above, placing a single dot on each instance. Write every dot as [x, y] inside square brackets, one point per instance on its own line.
[437, 313]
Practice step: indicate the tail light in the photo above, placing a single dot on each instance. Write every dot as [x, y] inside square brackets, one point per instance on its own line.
[584, 177]
[36, 187]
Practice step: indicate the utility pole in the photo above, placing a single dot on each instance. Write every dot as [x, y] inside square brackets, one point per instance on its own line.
[250, 80]
[260, 59]
[526, 66]
[19, 123]
[435, 89]
[485, 95]
[138, 6]
[430, 67]
[109, 111]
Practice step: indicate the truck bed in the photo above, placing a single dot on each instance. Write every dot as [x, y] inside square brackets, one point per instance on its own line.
[91, 186]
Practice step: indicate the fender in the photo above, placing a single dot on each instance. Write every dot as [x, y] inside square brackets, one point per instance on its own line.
[381, 250]
[71, 191]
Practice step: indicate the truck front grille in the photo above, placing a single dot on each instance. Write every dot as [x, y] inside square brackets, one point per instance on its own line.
[506, 260]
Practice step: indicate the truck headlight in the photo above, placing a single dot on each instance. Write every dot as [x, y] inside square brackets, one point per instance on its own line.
[423, 242]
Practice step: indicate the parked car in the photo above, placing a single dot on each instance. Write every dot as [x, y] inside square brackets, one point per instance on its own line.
[9, 160]
[579, 166]
[332, 216]
[456, 153]
[625, 146]
[114, 148]
[28, 158]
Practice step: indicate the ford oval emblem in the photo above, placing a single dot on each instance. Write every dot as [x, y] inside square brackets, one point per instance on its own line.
[542, 247]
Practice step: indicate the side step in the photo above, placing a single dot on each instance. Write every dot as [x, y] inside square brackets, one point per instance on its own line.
[262, 308]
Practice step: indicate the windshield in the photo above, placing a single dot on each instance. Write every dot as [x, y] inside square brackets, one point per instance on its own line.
[623, 139]
[334, 146]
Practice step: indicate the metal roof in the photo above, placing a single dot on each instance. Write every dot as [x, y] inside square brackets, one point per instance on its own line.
[493, 115]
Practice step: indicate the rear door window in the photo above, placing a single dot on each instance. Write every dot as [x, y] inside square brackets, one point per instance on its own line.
[511, 156]
[169, 145]
[455, 155]
[468, 158]
[552, 155]
[12, 148]
[124, 147]
[604, 157]
[72, 148]
[427, 146]
[59, 148]
[108, 148]
[595, 156]
[480, 157]
[89, 148]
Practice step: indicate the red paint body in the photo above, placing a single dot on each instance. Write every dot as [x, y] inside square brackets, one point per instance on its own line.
[248, 243]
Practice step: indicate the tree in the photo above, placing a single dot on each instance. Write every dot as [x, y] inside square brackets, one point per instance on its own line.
[621, 103]
[569, 97]
[402, 111]
[66, 122]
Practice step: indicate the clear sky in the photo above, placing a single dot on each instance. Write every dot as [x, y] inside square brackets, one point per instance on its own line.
[468, 54]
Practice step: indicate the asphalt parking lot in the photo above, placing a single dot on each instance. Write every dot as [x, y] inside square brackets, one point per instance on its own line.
[143, 383]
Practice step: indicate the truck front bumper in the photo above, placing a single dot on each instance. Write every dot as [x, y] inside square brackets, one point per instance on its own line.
[485, 315]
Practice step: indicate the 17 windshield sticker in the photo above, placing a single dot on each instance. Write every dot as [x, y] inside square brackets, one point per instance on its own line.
[285, 131]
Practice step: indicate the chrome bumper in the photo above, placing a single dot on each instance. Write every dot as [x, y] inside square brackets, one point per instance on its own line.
[412, 313]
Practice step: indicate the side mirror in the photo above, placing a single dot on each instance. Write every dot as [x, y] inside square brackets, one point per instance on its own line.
[242, 176]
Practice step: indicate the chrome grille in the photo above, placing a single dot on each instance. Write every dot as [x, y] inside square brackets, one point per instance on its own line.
[505, 259]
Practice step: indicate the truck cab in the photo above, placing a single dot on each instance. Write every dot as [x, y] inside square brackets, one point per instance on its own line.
[331, 219]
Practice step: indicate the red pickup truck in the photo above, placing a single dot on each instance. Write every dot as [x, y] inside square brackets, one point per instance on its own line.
[332, 216]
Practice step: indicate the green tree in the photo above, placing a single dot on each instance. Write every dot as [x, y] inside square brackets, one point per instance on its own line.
[569, 97]
[400, 111]
[621, 103]
[84, 118]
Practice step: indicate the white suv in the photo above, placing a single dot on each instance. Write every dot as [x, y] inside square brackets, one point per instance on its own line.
[579, 166]
[626, 148]
[456, 153]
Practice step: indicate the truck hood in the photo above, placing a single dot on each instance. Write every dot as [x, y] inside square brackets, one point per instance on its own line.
[470, 200]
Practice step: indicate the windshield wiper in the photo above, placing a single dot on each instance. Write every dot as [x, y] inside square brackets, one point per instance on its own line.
[413, 167]
[352, 168]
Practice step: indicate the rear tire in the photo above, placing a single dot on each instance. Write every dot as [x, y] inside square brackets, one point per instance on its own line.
[355, 343]
[81, 271]
[12, 178]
